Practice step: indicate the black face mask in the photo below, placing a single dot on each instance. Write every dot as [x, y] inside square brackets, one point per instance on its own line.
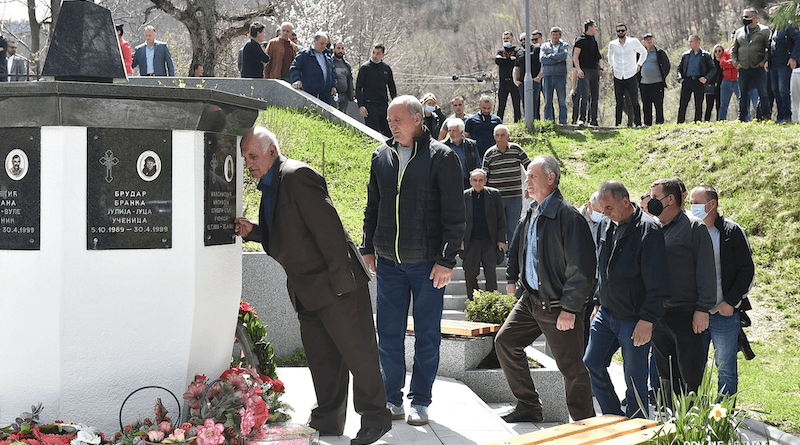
[747, 21]
[655, 207]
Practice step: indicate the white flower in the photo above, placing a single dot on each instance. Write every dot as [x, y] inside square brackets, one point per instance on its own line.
[717, 412]
[85, 438]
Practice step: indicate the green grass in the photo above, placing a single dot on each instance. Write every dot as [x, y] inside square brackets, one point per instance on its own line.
[755, 168]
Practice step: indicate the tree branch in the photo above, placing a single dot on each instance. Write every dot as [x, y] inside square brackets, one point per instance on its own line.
[266, 11]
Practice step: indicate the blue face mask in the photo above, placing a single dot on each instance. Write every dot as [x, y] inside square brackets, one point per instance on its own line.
[596, 216]
[699, 210]
[430, 109]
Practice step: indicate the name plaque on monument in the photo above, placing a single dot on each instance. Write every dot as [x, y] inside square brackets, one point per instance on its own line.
[129, 189]
[220, 189]
[20, 189]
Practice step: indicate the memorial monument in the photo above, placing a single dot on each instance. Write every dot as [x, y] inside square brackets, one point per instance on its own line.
[118, 262]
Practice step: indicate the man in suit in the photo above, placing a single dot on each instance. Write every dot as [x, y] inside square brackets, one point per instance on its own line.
[254, 56]
[486, 231]
[16, 64]
[327, 282]
[153, 57]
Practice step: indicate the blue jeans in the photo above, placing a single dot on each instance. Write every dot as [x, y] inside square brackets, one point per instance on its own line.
[397, 285]
[724, 332]
[606, 336]
[726, 89]
[557, 84]
[780, 76]
[513, 208]
[753, 78]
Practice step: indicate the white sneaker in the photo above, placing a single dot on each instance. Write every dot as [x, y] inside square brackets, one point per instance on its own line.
[397, 411]
[418, 415]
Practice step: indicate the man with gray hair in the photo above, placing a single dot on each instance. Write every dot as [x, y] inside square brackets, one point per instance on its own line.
[414, 224]
[553, 55]
[281, 51]
[551, 266]
[480, 126]
[153, 57]
[313, 72]
[465, 148]
[631, 290]
[327, 280]
[486, 232]
[749, 56]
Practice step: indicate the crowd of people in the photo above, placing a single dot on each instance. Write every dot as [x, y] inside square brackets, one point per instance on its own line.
[645, 276]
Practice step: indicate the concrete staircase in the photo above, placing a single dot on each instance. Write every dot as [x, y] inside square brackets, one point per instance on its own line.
[455, 294]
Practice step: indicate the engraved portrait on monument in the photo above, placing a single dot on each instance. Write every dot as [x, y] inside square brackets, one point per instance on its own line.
[148, 165]
[17, 164]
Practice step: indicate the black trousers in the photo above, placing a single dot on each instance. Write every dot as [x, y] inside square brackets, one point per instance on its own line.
[629, 87]
[652, 96]
[339, 339]
[376, 117]
[589, 88]
[527, 321]
[691, 87]
[507, 87]
[480, 251]
[712, 100]
[680, 353]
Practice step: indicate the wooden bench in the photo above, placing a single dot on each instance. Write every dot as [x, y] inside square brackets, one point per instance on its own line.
[602, 430]
[460, 327]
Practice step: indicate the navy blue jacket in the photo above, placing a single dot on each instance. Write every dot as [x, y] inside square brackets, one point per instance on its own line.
[634, 277]
[252, 58]
[784, 44]
[417, 215]
[306, 69]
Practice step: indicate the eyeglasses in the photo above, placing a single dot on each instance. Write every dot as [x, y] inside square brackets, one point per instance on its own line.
[717, 50]
[619, 31]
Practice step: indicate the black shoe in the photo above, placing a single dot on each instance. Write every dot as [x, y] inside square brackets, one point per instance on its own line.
[369, 435]
[325, 432]
[517, 415]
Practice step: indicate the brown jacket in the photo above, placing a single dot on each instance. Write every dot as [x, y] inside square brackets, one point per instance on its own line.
[307, 238]
[275, 52]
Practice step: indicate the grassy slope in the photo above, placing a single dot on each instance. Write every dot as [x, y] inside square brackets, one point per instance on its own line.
[754, 167]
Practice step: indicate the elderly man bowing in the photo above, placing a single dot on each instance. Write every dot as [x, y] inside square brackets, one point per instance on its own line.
[327, 282]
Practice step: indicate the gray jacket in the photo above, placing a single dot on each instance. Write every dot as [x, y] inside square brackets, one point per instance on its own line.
[750, 53]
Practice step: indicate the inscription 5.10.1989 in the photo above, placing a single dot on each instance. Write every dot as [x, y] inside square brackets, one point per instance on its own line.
[129, 189]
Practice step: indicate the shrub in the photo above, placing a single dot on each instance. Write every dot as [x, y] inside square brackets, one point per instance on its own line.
[490, 307]
[297, 359]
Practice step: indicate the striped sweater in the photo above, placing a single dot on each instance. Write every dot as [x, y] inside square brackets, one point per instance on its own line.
[503, 169]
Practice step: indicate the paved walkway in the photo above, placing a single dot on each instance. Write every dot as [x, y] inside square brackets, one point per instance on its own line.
[457, 415]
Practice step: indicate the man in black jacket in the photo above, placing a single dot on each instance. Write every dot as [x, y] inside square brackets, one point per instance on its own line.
[414, 223]
[653, 80]
[465, 148]
[254, 55]
[486, 232]
[695, 69]
[552, 257]
[536, 69]
[374, 79]
[631, 291]
[505, 59]
[734, 261]
[589, 65]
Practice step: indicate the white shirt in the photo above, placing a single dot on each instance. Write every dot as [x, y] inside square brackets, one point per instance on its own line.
[622, 58]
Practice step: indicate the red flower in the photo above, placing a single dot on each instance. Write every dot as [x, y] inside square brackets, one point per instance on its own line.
[194, 394]
[277, 386]
[260, 413]
[238, 370]
[244, 308]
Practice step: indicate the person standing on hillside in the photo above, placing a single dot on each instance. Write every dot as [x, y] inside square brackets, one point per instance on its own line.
[153, 57]
[626, 55]
[553, 55]
[589, 69]
[414, 224]
[536, 68]
[655, 70]
[312, 70]
[784, 45]
[749, 55]
[254, 55]
[281, 51]
[480, 126]
[374, 81]
[694, 70]
[344, 77]
[735, 270]
[505, 59]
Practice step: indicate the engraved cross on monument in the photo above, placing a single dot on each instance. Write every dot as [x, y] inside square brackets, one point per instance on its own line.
[109, 160]
[214, 164]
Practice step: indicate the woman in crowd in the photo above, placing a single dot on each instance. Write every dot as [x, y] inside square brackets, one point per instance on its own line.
[434, 117]
[712, 87]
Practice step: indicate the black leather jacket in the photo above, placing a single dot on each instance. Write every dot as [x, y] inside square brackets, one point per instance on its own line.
[567, 261]
[416, 215]
[737, 262]
[706, 65]
[634, 277]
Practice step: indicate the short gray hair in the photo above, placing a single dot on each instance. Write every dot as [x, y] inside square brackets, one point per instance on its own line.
[266, 137]
[477, 171]
[549, 165]
[486, 98]
[149, 28]
[413, 104]
[455, 121]
[287, 24]
[616, 188]
[500, 127]
[594, 198]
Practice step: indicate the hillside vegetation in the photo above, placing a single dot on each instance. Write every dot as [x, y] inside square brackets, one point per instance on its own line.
[754, 166]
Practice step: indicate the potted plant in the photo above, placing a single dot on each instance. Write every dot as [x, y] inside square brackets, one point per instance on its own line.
[26, 430]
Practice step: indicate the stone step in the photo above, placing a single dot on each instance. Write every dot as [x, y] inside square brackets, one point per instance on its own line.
[458, 273]
[457, 302]
[452, 314]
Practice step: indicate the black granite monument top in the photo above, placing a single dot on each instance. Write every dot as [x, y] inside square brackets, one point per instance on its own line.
[84, 46]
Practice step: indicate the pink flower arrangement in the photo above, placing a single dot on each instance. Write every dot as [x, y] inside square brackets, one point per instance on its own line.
[210, 433]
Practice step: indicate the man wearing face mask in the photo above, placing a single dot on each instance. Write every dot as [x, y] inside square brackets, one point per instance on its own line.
[749, 56]
[733, 260]
[505, 59]
[678, 335]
